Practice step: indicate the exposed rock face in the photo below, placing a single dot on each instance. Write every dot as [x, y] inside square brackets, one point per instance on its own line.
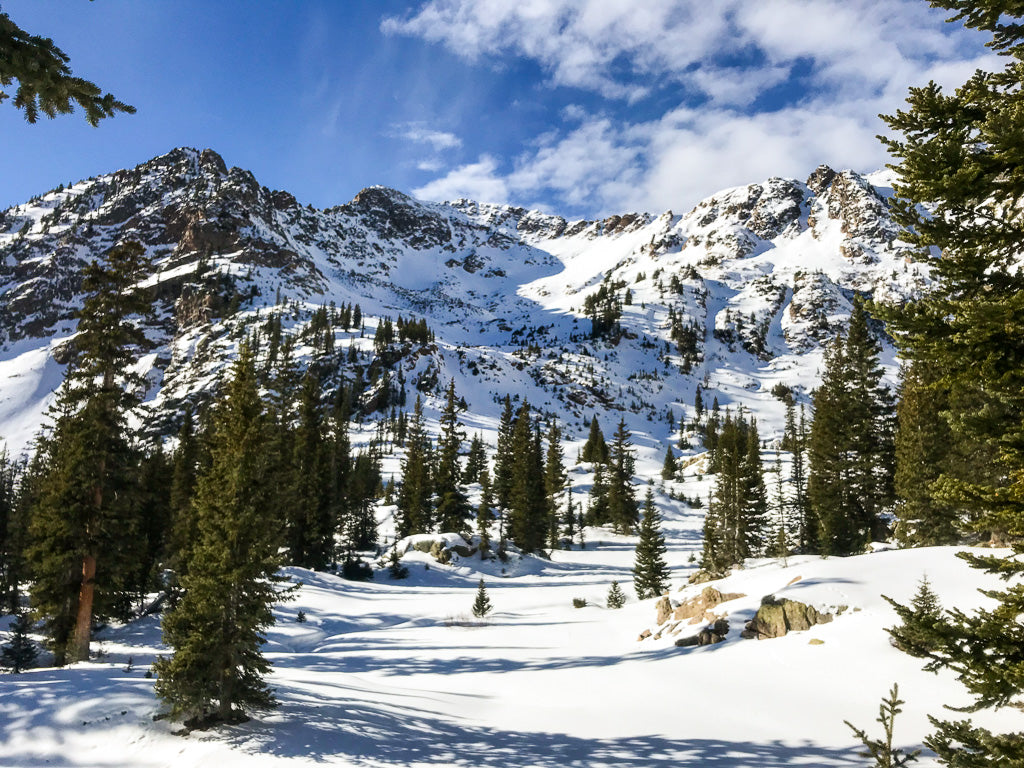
[696, 609]
[777, 617]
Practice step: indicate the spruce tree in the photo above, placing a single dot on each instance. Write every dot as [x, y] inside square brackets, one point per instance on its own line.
[528, 519]
[452, 506]
[476, 460]
[959, 154]
[484, 516]
[650, 572]
[19, 652]
[414, 504]
[84, 544]
[920, 630]
[309, 522]
[482, 603]
[504, 459]
[184, 469]
[595, 450]
[670, 466]
[554, 480]
[923, 454]
[622, 506]
[217, 627]
[616, 597]
[13, 533]
[881, 751]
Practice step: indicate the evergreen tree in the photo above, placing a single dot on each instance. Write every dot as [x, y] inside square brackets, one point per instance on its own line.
[483, 513]
[504, 459]
[310, 525]
[622, 506]
[923, 453]
[597, 511]
[650, 572]
[736, 519]
[476, 460]
[920, 630]
[217, 627]
[12, 534]
[184, 470]
[395, 568]
[670, 466]
[881, 751]
[482, 603]
[959, 154]
[554, 480]
[569, 522]
[616, 597]
[452, 506]
[851, 443]
[46, 84]
[794, 440]
[527, 516]
[595, 450]
[85, 522]
[414, 495]
[19, 653]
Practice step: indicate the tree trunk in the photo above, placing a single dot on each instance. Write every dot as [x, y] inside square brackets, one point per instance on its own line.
[83, 622]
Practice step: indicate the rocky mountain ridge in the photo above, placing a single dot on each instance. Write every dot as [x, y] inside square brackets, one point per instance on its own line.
[736, 296]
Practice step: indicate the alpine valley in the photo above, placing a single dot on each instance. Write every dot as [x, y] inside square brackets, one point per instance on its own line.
[645, 319]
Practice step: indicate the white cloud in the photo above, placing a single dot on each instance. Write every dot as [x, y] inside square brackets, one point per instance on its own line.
[420, 134]
[836, 64]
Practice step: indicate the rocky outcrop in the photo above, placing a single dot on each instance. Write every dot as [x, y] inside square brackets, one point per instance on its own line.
[776, 618]
[709, 635]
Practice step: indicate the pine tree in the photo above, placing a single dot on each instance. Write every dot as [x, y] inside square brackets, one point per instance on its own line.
[504, 460]
[482, 603]
[483, 513]
[84, 544]
[414, 495]
[528, 518]
[920, 631]
[452, 506]
[850, 447]
[476, 460]
[881, 751]
[959, 154]
[12, 534]
[554, 480]
[595, 449]
[309, 523]
[923, 453]
[19, 653]
[597, 512]
[616, 597]
[622, 506]
[46, 84]
[396, 570]
[217, 627]
[184, 470]
[670, 466]
[650, 572]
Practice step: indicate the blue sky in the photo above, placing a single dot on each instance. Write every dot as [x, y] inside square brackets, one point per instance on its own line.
[579, 107]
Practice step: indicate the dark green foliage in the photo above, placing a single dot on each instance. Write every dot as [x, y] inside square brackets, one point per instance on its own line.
[528, 509]
[850, 447]
[19, 653]
[45, 82]
[452, 505]
[881, 751]
[622, 506]
[395, 568]
[670, 466]
[604, 308]
[595, 449]
[476, 460]
[924, 450]
[414, 505]
[504, 460]
[484, 516]
[85, 523]
[650, 572]
[554, 480]
[482, 603]
[920, 630]
[736, 519]
[13, 530]
[616, 597]
[960, 154]
[309, 522]
[185, 467]
[794, 440]
[217, 627]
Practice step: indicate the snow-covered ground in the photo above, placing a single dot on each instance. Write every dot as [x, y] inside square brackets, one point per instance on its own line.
[390, 673]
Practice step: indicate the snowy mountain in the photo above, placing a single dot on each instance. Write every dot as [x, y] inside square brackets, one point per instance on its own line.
[735, 296]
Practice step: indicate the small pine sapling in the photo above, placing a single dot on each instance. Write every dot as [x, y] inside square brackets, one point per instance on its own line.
[921, 630]
[881, 750]
[395, 568]
[482, 604]
[20, 652]
[616, 597]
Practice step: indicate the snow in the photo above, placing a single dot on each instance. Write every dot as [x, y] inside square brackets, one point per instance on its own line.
[396, 673]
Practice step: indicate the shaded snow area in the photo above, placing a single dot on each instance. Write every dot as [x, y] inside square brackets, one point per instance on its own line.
[397, 673]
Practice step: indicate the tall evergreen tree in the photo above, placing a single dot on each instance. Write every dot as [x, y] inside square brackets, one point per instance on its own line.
[84, 543]
[670, 466]
[595, 449]
[452, 505]
[476, 460]
[504, 459]
[622, 506]
[217, 628]
[959, 154]
[650, 572]
[12, 535]
[414, 505]
[527, 518]
[184, 470]
[309, 523]
[923, 453]
[554, 480]
[850, 447]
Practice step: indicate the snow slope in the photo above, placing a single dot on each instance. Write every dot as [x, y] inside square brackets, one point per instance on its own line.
[395, 673]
